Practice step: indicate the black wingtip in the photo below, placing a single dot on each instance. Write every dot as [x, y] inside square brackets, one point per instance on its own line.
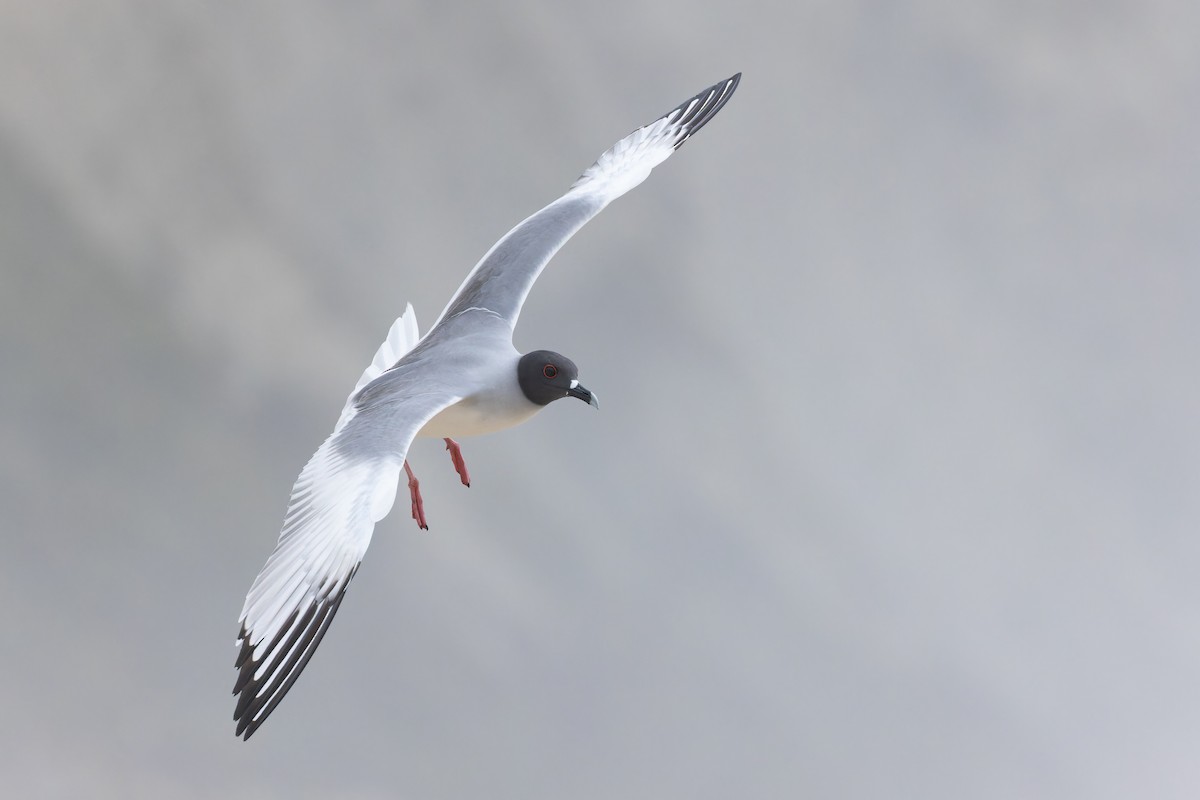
[695, 112]
[296, 642]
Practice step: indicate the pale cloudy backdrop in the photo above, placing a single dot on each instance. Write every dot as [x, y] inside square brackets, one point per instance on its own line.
[895, 489]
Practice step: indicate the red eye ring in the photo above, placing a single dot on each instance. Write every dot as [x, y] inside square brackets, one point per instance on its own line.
[550, 371]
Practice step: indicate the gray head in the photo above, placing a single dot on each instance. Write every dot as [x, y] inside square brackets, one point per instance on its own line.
[545, 376]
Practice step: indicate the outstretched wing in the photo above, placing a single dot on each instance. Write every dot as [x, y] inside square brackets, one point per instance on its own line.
[347, 486]
[502, 279]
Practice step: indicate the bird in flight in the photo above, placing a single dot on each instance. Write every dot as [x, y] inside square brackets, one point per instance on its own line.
[463, 378]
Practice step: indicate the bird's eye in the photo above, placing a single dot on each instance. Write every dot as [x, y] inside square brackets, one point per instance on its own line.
[550, 371]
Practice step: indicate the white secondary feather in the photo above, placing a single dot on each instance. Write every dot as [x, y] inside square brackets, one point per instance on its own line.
[628, 162]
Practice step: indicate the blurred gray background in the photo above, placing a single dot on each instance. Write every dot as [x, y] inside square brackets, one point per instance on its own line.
[893, 492]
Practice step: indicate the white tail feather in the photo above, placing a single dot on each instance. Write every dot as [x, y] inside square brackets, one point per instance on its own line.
[401, 338]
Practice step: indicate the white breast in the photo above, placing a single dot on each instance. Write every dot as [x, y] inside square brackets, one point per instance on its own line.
[500, 406]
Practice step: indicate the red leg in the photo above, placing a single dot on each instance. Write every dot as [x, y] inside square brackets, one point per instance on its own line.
[460, 465]
[414, 490]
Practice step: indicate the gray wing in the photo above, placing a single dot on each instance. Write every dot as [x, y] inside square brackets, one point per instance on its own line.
[347, 486]
[502, 279]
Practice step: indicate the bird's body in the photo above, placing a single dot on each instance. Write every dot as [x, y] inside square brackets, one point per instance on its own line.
[498, 407]
[499, 403]
[463, 378]
[484, 369]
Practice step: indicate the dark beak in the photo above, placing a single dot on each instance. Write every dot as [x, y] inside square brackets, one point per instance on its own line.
[583, 394]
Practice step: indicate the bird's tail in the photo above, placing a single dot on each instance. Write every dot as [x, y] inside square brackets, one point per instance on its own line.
[401, 338]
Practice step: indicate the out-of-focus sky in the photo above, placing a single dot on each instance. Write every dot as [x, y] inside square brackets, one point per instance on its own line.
[893, 491]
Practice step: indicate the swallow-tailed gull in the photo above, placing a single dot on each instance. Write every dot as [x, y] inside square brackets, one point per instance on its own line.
[463, 378]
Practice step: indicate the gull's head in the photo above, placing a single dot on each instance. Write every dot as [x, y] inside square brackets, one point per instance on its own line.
[546, 376]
